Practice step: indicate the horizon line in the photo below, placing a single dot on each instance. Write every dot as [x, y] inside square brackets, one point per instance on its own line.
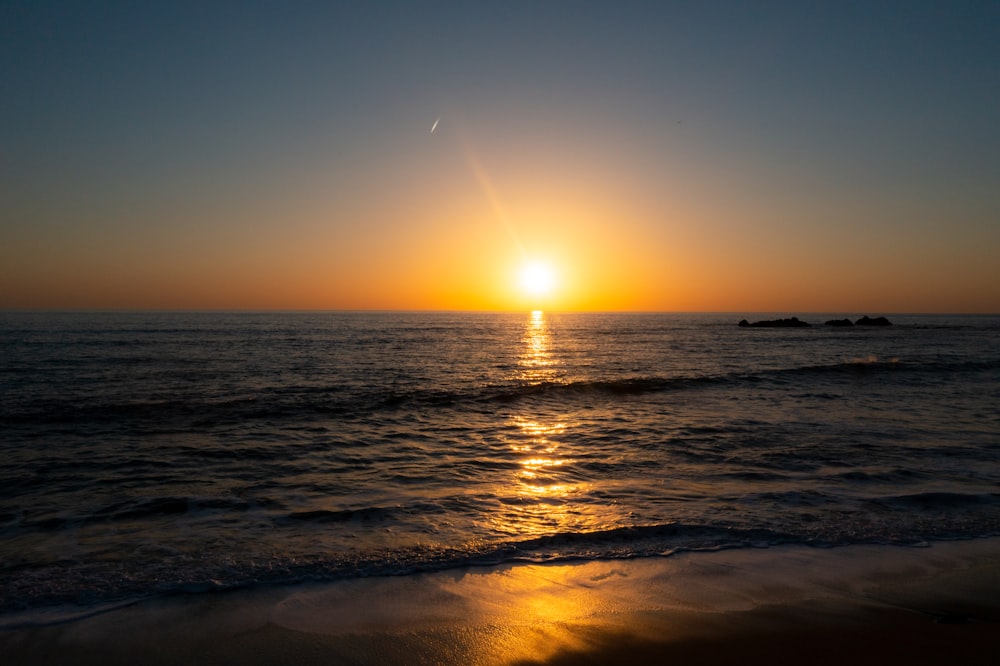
[68, 310]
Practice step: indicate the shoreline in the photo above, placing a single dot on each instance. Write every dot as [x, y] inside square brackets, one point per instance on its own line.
[867, 604]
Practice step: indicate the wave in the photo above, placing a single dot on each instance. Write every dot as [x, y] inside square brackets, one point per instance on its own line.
[35, 594]
[657, 384]
[105, 583]
[141, 510]
[343, 516]
[644, 540]
[611, 387]
[936, 501]
[201, 412]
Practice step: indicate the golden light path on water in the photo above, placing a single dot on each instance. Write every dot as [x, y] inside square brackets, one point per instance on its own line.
[550, 496]
[509, 614]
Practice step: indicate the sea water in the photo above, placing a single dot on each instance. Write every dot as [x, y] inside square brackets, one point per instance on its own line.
[157, 453]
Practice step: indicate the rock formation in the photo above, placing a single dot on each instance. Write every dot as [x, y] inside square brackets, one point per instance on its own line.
[876, 321]
[795, 322]
[791, 322]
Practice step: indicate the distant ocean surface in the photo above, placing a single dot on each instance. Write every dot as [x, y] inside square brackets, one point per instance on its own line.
[147, 454]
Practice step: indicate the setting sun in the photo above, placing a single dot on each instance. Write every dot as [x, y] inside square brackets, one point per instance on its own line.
[537, 279]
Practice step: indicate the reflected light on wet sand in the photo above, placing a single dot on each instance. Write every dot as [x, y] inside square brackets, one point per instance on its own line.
[493, 616]
[734, 606]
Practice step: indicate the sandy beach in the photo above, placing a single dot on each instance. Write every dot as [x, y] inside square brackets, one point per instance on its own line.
[865, 604]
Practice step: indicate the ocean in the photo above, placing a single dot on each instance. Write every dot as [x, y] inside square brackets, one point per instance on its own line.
[150, 454]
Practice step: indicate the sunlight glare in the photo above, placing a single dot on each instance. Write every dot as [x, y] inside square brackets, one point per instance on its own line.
[537, 279]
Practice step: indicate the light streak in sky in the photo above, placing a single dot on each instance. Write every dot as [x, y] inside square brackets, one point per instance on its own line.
[486, 184]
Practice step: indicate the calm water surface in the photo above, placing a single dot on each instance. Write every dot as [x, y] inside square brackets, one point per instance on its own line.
[154, 453]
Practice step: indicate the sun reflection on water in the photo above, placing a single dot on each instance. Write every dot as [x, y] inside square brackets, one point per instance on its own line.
[542, 453]
[548, 493]
[536, 363]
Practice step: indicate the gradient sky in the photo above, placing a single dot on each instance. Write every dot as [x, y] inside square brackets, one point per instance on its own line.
[722, 156]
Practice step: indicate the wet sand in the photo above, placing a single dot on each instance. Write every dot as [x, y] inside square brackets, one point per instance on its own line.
[858, 604]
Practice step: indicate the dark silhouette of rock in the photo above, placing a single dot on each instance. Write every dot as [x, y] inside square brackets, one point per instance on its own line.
[840, 322]
[873, 321]
[791, 322]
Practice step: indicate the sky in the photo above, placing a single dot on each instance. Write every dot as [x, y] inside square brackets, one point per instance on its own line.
[650, 156]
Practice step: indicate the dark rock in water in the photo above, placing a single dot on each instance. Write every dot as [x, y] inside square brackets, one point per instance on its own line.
[744, 323]
[840, 322]
[791, 322]
[870, 321]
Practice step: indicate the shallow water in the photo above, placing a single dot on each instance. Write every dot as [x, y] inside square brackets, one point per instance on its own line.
[147, 453]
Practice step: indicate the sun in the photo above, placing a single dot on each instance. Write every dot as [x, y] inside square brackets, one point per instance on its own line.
[537, 279]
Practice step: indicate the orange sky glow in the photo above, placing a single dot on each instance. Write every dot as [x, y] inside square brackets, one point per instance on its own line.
[669, 165]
